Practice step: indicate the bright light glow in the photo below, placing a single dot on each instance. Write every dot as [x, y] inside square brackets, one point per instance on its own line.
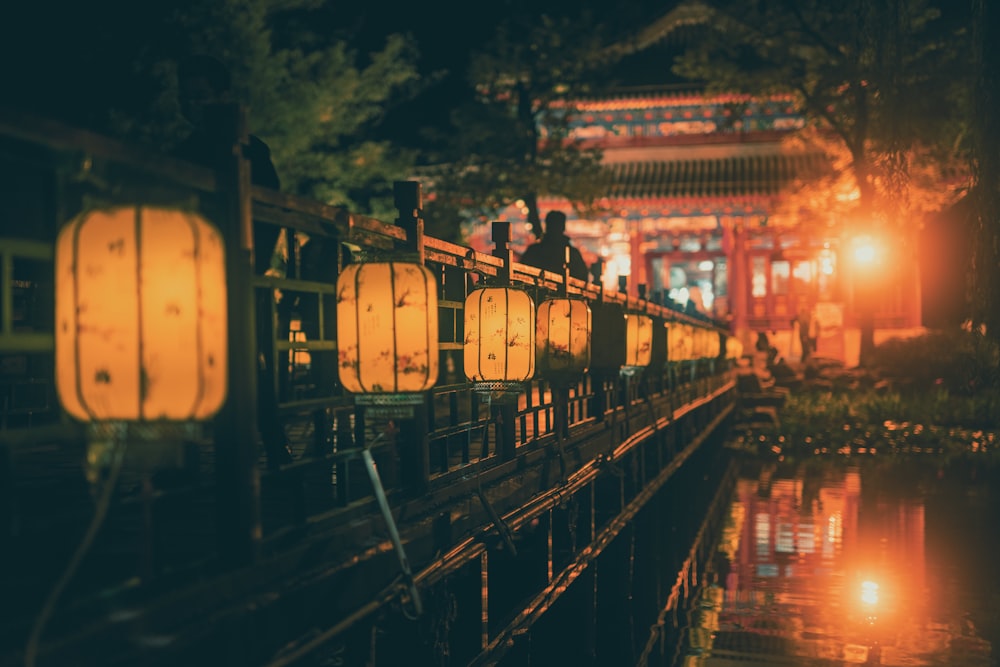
[866, 251]
[865, 254]
[706, 265]
[679, 296]
[869, 592]
[826, 262]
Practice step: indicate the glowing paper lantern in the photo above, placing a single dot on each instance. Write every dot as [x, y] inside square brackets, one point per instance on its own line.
[686, 343]
[499, 338]
[140, 316]
[638, 340]
[563, 338]
[387, 328]
[734, 348]
[700, 344]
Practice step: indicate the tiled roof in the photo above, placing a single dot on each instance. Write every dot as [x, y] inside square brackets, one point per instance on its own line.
[720, 177]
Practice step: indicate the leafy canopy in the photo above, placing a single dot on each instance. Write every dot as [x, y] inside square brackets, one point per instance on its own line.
[883, 84]
[311, 97]
[510, 142]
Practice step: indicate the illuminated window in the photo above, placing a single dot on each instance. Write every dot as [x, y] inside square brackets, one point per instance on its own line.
[767, 570]
[762, 532]
[779, 277]
[721, 277]
[784, 541]
[807, 538]
[758, 280]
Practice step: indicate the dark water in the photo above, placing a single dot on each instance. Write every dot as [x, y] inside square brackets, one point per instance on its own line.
[854, 558]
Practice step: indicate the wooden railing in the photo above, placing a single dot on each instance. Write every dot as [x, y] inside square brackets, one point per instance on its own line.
[227, 501]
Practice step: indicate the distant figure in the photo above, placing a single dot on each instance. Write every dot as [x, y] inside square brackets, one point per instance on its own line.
[205, 92]
[695, 301]
[807, 328]
[550, 252]
[206, 97]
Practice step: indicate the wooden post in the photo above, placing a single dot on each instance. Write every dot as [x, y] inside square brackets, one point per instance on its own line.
[237, 479]
[504, 414]
[739, 284]
[413, 445]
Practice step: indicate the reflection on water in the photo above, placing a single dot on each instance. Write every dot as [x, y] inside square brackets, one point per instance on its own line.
[849, 561]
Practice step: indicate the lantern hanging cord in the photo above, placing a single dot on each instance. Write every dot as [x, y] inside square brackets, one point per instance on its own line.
[100, 512]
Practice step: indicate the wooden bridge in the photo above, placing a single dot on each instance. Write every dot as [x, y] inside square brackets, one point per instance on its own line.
[473, 532]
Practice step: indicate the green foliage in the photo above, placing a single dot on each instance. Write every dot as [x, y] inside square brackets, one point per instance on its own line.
[309, 98]
[959, 362]
[890, 80]
[312, 97]
[941, 379]
[511, 142]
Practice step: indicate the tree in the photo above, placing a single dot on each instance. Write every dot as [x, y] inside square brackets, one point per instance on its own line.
[312, 96]
[511, 142]
[986, 166]
[883, 85]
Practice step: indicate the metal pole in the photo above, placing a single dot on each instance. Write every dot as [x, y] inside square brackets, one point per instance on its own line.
[397, 543]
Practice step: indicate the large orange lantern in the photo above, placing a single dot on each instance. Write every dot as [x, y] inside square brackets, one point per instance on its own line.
[140, 316]
[499, 348]
[387, 328]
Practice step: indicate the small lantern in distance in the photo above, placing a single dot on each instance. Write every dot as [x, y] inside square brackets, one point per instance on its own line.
[563, 339]
[638, 342]
[141, 320]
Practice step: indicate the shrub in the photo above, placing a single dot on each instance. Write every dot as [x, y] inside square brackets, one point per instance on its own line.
[960, 362]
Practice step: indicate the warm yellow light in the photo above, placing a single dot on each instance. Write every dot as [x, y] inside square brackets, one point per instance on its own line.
[563, 338]
[866, 251]
[869, 592]
[712, 345]
[140, 316]
[499, 335]
[680, 342]
[699, 344]
[638, 340]
[734, 348]
[387, 328]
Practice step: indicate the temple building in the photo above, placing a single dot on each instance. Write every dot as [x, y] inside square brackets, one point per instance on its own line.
[697, 210]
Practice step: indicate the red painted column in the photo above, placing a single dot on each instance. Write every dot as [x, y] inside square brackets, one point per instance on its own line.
[738, 280]
[639, 274]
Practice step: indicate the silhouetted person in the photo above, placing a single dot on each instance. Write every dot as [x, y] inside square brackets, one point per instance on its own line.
[206, 101]
[550, 252]
[806, 328]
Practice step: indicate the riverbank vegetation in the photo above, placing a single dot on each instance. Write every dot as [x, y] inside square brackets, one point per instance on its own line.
[934, 394]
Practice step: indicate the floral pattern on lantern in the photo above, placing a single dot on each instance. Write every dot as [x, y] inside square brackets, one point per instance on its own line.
[499, 347]
[638, 340]
[563, 339]
[141, 321]
[387, 328]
